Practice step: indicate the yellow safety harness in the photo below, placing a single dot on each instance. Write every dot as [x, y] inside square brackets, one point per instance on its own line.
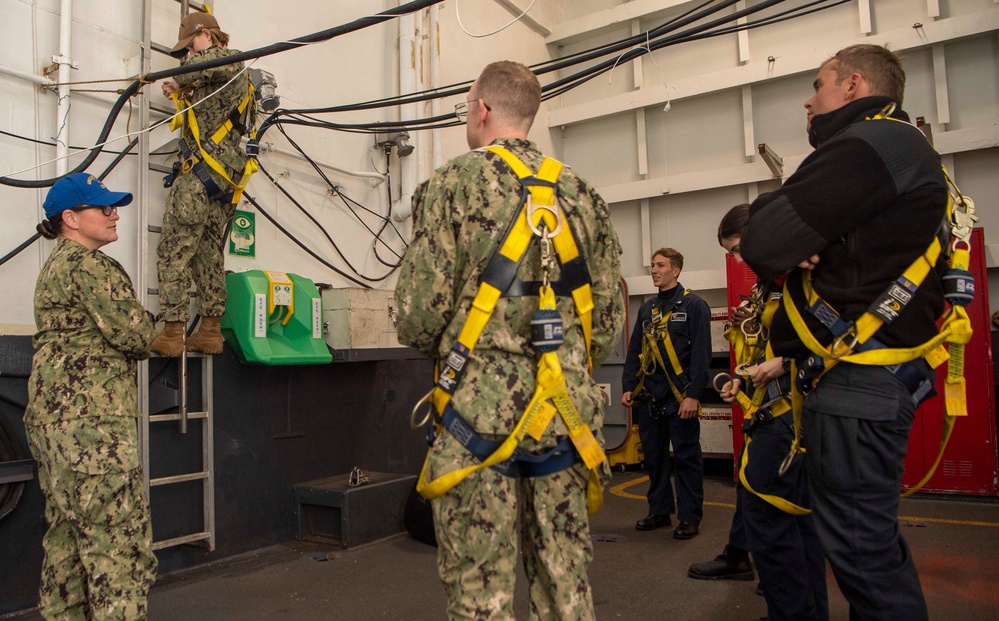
[539, 216]
[193, 161]
[853, 341]
[650, 358]
[750, 344]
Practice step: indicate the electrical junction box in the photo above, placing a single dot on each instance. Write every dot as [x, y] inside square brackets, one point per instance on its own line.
[719, 344]
[355, 318]
[716, 430]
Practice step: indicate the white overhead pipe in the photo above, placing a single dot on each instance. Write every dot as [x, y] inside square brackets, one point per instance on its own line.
[435, 82]
[403, 208]
[377, 178]
[65, 62]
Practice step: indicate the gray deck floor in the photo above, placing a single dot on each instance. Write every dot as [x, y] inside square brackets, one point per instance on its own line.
[635, 575]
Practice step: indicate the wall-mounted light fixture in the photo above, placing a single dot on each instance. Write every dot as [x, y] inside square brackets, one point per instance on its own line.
[399, 140]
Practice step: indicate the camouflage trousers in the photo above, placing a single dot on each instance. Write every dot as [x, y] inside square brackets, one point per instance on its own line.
[484, 521]
[99, 563]
[191, 247]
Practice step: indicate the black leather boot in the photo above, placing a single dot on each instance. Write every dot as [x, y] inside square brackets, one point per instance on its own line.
[732, 564]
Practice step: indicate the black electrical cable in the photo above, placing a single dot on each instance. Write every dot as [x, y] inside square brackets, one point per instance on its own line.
[632, 53]
[131, 89]
[303, 246]
[319, 225]
[121, 154]
[561, 86]
[331, 186]
[13, 253]
[700, 32]
[52, 144]
[539, 68]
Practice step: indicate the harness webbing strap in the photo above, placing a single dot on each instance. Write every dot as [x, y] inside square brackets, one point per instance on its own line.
[651, 358]
[550, 392]
[865, 349]
[205, 149]
[573, 266]
[747, 351]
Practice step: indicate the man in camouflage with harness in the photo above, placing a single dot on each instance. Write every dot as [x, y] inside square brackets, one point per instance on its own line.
[463, 214]
[200, 203]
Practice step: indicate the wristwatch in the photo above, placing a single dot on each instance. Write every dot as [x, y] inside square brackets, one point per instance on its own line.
[786, 363]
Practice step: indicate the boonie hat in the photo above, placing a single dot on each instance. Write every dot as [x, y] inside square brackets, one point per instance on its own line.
[81, 189]
[190, 26]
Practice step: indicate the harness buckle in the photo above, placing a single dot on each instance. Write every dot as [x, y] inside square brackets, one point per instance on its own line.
[172, 176]
[745, 369]
[963, 220]
[721, 381]
[809, 372]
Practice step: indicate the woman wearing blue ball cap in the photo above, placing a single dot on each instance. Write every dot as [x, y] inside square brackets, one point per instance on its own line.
[81, 416]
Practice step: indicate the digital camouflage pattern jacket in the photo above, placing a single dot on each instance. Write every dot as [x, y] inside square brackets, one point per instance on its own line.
[211, 114]
[460, 216]
[91, 331]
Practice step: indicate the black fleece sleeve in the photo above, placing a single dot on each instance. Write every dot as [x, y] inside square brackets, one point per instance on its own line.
[837, 188]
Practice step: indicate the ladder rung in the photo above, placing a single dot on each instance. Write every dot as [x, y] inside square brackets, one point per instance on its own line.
[161, 418]
[160, 168]
[179, 478]
[177, 541]
[159, 47]
[160, 108]
[152, 228]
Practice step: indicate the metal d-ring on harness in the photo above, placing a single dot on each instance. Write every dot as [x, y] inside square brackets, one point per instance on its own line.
[854, 342]
[539, 217]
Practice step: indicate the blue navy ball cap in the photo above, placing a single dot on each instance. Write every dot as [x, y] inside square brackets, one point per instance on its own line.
[81, 189]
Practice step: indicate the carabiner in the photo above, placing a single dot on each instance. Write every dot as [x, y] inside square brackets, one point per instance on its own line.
[786, 464]
[416, 408]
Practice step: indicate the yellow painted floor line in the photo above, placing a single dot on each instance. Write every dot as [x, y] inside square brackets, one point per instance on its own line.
[621, 490]
[905, 518]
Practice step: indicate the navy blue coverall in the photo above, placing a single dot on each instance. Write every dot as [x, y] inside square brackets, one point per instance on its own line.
[659, 423]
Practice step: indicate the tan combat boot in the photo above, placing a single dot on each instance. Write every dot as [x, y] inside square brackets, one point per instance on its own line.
[208, 338]
[170, 342]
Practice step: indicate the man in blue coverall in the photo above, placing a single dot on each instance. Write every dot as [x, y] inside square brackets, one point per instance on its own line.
[665, 373]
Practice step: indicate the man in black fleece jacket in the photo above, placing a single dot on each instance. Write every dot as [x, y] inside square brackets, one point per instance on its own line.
[857, 212]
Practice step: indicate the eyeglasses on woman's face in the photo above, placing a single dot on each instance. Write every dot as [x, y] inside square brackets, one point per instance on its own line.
[107, 210]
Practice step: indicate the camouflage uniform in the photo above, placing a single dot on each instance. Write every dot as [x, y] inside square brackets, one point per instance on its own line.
[192, 241]
[81, 427]
[461, 214]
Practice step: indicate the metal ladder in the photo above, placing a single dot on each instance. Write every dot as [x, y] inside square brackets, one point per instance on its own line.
[206, 535]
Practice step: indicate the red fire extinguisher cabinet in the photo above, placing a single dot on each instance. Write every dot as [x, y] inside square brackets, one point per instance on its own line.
[970, 463]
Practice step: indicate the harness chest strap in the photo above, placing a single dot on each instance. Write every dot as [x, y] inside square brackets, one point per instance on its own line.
[651, 358]
[550, 382]
[955, 331]
[184, 106]
[747, 354]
